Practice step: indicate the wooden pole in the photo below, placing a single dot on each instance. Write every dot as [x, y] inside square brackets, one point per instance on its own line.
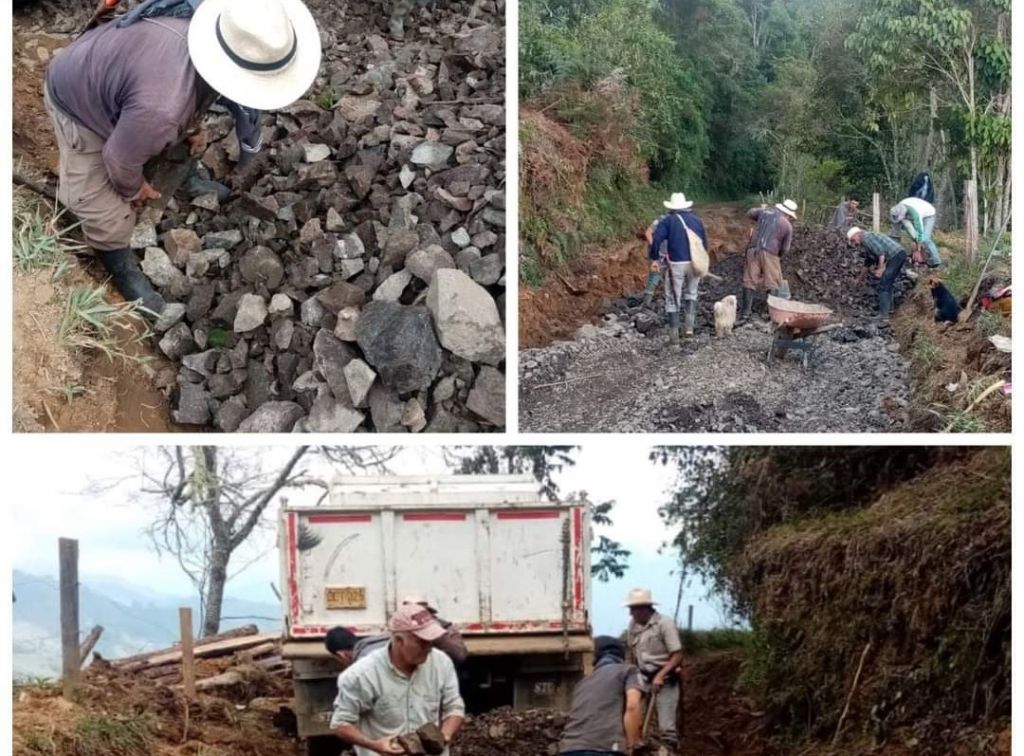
[849, 697]
[689, 618]
[188, 661]
[89, 644]
[970, 220]
[71, 660]
[876, 212]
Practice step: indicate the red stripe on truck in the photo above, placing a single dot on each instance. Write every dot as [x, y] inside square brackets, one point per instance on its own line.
[434, 516]
[530, 515]
[293, 583]
[331, 519]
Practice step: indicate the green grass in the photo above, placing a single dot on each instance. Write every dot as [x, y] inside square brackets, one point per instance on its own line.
[112, 736]
[926, 353]
[720, 639]
[92, 323]
[41, 241]
[326, 100]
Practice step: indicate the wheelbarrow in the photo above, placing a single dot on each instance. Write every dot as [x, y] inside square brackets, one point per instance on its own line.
[796, 324]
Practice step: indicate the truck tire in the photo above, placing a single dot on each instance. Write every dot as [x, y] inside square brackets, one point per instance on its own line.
[327, 745]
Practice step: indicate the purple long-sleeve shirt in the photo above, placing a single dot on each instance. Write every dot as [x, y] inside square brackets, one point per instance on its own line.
[135, 87]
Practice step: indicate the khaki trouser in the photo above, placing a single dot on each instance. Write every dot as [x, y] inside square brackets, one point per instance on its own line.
[762, 271]
[107, 220]
[685, 285]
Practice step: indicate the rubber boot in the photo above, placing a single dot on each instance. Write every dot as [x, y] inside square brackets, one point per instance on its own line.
[653, 280]
[746, 305]
[689, 316]
[884, 305]
[128, 278]
[673, 328]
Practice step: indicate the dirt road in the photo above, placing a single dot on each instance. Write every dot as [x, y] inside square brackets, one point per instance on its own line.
[620, 374]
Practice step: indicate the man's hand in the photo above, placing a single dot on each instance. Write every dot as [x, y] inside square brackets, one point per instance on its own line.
[147, 192]
[659, 681]
[655, 267]
[196, 143]
[878, 272]
[386, 745]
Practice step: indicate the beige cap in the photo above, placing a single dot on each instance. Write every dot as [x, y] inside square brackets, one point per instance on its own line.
[411, 618]
[640, 597]
[418, 600]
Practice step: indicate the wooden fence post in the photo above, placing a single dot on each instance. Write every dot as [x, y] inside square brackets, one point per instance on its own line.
[188, 661]
[876, 212]
[970, 220]
[71, 658]
[689, 617]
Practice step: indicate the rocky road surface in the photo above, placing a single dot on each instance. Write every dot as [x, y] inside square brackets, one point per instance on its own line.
[620, 375]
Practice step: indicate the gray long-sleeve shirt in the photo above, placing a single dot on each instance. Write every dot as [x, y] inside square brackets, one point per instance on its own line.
[135, 87]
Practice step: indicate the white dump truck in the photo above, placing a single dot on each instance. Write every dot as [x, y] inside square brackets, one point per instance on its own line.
[509, 568]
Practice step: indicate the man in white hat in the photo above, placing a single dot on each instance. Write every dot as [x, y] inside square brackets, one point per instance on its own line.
[770, 238]
[120, 95]
[399, 688]
[680, 283]
[655, 648]
[917, 217]
[884, 258]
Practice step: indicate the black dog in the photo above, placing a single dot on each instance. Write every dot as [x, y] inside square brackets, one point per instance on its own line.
[946, 308]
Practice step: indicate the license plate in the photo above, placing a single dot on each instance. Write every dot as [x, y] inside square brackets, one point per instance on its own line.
[346, 597]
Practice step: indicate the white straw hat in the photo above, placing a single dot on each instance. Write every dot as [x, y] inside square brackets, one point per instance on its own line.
[640, 597]
[678, 201]
[262, 54]
[788, 207]
[853, 232]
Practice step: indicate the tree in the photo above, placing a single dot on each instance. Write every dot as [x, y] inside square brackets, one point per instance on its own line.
[611, 559]
[209, 500]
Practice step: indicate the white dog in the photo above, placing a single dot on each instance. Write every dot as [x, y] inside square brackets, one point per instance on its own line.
[725, 315]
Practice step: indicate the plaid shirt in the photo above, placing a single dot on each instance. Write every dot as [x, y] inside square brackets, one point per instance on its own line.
[876, 246]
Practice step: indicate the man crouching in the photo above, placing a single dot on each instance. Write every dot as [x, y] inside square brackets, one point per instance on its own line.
[399, 688]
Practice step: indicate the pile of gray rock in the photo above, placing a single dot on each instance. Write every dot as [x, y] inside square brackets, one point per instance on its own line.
[354, 277]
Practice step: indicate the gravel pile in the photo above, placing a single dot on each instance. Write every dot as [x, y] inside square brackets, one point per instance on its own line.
[354, 277]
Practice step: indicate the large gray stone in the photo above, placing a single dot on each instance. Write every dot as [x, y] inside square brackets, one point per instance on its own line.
[272, 417]
[172, 314]
[487, 270]
[345, 329]
[314, 153]
[432, 155]
[330, 356]
[340, 295]
[162, 272]
[143, 236]
[487, 398]
[261, 265]
[393, 286]
[232, 237]
[230, 414]
[424, 262]
[360, 377]
[251, 314]
[193, 405]
[177, 342]
[328, 415]
[400, 343]
[466, 317]
[386, 410]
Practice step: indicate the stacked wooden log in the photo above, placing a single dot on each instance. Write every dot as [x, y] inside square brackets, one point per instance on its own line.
[224, 659]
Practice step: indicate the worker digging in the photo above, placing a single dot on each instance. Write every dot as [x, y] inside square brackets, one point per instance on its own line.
[317, 198]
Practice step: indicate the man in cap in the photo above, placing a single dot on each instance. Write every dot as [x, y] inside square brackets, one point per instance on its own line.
[917, 217]
[606, 714]
[451, 642]
[680, 282]
[399, 688]
[655, 648]
[770, 238]
[885, 258]
[120, 95]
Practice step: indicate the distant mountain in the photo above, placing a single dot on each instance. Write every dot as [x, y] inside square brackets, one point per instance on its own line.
[134, 619]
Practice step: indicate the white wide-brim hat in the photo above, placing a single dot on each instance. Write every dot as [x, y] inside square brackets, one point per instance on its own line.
[788, 207]
[640, 597]
[678, 201]
[854, 230]
[262, 54]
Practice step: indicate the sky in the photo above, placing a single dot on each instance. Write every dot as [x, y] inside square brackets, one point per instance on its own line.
[108, 522]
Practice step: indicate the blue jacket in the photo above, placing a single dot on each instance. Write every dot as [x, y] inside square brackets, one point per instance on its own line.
[671, 230]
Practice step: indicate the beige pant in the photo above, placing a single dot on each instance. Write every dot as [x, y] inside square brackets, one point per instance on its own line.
[685, 285]
[107, 220]
[762, 271]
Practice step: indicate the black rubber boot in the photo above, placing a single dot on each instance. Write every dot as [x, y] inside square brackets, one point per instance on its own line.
[128, 278]
[746, 305]
[689, 317]
[673, 328]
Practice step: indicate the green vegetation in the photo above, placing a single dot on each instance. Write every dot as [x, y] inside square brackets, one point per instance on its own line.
[697, 642]
[94, 735]
[812, 99]
[91, 322]
[40, 240]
